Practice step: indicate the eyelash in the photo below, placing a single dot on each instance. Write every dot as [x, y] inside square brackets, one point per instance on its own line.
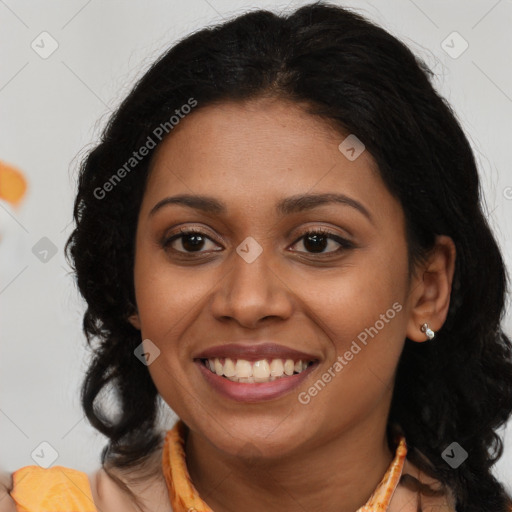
[345, 244]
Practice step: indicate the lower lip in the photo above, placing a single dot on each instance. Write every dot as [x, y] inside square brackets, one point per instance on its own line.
[254, 392]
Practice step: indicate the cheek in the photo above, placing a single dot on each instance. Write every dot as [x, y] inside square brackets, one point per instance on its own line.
[167, 295]
[363, 301]
[167, 303]
[363, 315]
[366, 337]
[367, 342]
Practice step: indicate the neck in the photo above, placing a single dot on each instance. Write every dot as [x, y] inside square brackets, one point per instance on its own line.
[340, 474]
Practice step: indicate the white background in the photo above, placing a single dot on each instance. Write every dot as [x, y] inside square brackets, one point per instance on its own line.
[51, 111]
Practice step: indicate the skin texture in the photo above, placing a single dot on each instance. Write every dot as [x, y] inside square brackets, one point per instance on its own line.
[279, 454]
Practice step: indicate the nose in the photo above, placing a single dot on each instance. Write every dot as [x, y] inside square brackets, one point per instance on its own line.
[252, 293]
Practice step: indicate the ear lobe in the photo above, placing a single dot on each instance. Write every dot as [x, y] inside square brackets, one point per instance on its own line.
[135, 320]
[431, 289]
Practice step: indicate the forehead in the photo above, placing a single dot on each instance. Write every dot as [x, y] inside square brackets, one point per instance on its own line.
[258, 151]
[268, 133]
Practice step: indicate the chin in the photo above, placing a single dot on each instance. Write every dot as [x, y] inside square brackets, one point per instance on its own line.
[256, 438]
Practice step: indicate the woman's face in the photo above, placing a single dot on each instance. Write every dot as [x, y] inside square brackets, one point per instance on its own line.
[265, 171]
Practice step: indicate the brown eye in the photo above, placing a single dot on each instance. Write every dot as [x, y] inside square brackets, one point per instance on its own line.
[191, 241]
[319, 240]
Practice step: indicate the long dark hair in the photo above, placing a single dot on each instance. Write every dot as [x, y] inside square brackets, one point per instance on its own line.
[356, 75]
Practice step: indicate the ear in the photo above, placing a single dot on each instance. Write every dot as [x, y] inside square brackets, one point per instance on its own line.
[135, 320]
[430, 290]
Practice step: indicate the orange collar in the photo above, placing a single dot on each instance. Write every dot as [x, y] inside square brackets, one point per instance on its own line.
[184, 496]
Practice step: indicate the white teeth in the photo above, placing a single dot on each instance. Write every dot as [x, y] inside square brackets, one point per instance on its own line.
[261, 371]
[257, 371]
[243, 369]
[229, 368]
[288, 367]
[276, 368]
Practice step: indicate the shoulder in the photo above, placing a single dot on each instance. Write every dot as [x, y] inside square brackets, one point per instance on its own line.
[147, 485]
[29, 487]
[69, 489]
[107, 494]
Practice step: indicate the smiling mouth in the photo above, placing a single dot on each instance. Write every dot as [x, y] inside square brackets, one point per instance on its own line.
[263, 370]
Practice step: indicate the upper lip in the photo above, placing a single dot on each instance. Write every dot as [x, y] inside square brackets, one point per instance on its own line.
[254, 352]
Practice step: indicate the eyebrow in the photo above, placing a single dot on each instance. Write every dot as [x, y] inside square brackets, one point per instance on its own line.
[287, 206]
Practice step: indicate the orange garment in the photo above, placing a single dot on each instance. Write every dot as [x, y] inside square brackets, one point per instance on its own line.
[56, 489]
[60, 489]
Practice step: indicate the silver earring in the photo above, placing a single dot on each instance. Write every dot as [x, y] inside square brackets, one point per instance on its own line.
[428, 331]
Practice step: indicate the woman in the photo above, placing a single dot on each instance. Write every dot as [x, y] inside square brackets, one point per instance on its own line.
[280, 237]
